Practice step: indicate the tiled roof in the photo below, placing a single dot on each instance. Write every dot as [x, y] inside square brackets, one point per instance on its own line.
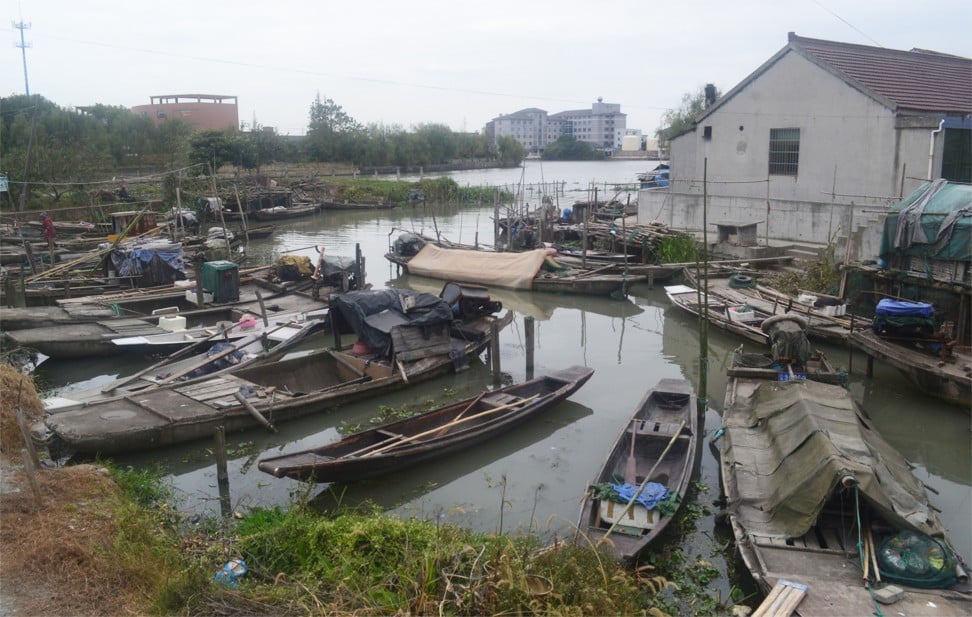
[917, 80]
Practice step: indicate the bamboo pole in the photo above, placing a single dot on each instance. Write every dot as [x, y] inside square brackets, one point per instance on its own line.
[644, 482]
[410, 438]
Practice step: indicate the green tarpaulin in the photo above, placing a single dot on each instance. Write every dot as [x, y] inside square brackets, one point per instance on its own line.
[791, 444]
[935, 221]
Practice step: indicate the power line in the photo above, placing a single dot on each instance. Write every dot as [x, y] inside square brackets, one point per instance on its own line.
[849, 24]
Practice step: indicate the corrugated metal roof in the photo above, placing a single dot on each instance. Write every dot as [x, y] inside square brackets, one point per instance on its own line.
[920, 80]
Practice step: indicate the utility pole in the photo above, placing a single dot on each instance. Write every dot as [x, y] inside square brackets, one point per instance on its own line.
[20, 25]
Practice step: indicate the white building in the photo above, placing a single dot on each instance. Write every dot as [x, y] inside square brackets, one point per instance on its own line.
[820, 140]
[603, 126]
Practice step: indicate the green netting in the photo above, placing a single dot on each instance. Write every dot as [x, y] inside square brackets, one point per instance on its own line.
[916, 559]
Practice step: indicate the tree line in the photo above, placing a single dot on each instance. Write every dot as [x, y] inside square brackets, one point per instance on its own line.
[58, 148]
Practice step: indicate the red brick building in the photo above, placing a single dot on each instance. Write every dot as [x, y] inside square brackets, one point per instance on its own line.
[204, 112]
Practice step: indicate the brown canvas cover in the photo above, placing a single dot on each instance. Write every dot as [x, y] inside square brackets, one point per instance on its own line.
[789, 446]
[510, 270]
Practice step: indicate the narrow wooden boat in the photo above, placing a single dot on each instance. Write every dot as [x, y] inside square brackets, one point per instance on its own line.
[654, 453]
[356, 205]
[278, 391]
[227, 349]
[735, 317]
[281, 213]
[826, 316]
[258, 231]
[429, 435]
[948, 378]
[815, 497]
[162, 333]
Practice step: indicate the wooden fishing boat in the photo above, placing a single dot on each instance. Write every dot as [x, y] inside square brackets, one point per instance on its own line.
[161, 333]
[654, 455]
[148, 303]
[356, 205]
[430, 435]
[817, 499]
[529, 270]
[227, 349]
[736, 317]
[278, 213]
[827, 318]
[948, 378]
[259, 231]
[398, 349]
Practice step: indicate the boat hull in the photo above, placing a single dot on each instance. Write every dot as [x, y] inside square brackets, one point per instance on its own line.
[277, 391]
[430, 435]
[949, 381]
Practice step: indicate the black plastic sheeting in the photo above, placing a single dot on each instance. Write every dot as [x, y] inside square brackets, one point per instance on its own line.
[372, 314]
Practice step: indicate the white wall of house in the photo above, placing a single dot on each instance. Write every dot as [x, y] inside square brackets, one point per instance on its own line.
[853, 151]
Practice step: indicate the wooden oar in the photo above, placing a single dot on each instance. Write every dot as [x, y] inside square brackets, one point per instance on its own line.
[630, 470]
[173, 356]
[644, 482]
[218, 356]
[467, 408]
[406, 439]
[253, 411]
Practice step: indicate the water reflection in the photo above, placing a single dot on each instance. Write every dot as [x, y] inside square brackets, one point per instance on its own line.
[469, 468]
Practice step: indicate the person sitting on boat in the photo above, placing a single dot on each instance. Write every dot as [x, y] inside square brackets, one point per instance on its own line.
[123, 193]
[319, 266]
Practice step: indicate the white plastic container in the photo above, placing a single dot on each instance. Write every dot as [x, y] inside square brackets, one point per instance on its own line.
[740, 313]
[172, 323]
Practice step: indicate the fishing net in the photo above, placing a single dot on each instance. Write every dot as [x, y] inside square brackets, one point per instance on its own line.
[916, 559]
[789, 338]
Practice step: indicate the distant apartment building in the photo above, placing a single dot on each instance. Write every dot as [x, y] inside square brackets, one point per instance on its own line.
[205, 112]
[603, 126]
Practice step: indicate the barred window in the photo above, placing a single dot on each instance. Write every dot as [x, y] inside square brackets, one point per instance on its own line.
[784, 152]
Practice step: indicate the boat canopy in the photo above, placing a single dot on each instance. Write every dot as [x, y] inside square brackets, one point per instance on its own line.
[934, 221]
[793, 443]
[510, 270]
[373, 313]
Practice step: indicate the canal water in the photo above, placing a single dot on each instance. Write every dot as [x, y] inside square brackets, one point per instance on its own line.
[533, 480]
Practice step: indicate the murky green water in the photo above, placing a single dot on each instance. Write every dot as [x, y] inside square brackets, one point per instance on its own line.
[533, 479]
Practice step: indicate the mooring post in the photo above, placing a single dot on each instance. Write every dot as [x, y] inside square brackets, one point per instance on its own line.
[494, 356]
[359, 266]
[528, 329]
[263, 309]
[222, 475]
[336, 323]
[850, 347]
[29, 471]
[28, 442]
[197, 264]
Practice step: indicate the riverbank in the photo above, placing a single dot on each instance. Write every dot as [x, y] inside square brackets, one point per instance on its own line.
[99, 540]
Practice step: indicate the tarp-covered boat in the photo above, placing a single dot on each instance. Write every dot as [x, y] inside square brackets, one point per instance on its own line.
[429, 435]
[533, 270]
[816, 497]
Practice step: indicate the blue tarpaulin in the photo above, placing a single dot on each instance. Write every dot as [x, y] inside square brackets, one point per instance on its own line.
[652, 494]
[888, 306]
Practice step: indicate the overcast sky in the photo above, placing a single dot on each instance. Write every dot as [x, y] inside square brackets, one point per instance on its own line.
[454, 62]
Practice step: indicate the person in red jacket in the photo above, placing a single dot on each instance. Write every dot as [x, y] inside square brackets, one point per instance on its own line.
[49, 233]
